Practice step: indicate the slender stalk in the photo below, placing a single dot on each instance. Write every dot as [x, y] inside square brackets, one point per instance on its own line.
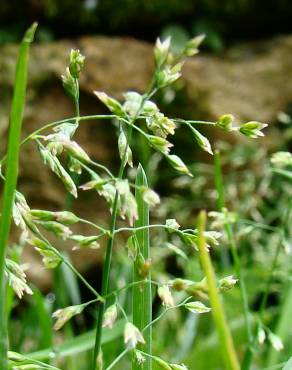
[57, 123]
[70, 266]
[88, 118]
[179, 120]
[225, 339]
[117, 359]
[105, 284]
[221, 199]
[142, 296]
[130, 285]
[76, 100]
[16, 115]
[234, 253]
[150, 324]
[148, 227]
[259, 225]
[110, 243]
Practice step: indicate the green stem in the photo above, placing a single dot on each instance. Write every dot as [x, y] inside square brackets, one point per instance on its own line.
[76, 100]
[67, 263]
[16, 115]
[147, 227]
[102, 167]
[233, 249]
[164, 312]
[142, 296]
[225, 339]
[110, 243]
[130, 285]
[105, 283]
[117, 359]
[179, 120]
[259, 225]
[57, 123]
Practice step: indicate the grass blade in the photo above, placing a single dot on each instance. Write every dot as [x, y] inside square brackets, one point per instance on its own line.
[225, 339]
[142, 297]
[11, 176]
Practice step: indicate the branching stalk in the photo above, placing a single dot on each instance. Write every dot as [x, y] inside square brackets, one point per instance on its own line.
[109, 248]
[142, 297]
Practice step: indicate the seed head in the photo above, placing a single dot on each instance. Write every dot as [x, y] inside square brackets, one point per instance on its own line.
[150, 197]
[110, 316]
[65, 314]
[227, 283]
[132, 335]
[76, 63]
[253, 129]
[197, 307]
[178, 164]
[166, 296]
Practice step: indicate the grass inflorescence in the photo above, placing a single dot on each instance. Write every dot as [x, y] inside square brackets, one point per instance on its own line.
[143, 309]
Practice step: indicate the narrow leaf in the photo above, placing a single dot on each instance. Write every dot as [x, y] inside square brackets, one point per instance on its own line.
[142, 297]
[11, 175]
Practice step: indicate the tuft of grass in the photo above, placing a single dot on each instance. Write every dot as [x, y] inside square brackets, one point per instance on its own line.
[225, 338]
[142, 297]
[11, 174]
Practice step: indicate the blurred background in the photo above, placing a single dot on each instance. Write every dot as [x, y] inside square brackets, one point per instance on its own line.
[244, 68]
[225, 22]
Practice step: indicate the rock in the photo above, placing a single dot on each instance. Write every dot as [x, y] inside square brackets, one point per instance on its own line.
[252, 81]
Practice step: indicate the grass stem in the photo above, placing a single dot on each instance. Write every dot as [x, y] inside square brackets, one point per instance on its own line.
[234, 253]
[225, 339]
[110, 243]
[142, 296]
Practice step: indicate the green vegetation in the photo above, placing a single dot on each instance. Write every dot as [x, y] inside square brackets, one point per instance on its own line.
[158, 285]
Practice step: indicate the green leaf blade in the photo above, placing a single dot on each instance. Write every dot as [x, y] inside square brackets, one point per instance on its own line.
[142, 295]
[11, 173]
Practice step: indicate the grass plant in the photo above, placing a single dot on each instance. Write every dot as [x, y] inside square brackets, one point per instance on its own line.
[140, 310]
